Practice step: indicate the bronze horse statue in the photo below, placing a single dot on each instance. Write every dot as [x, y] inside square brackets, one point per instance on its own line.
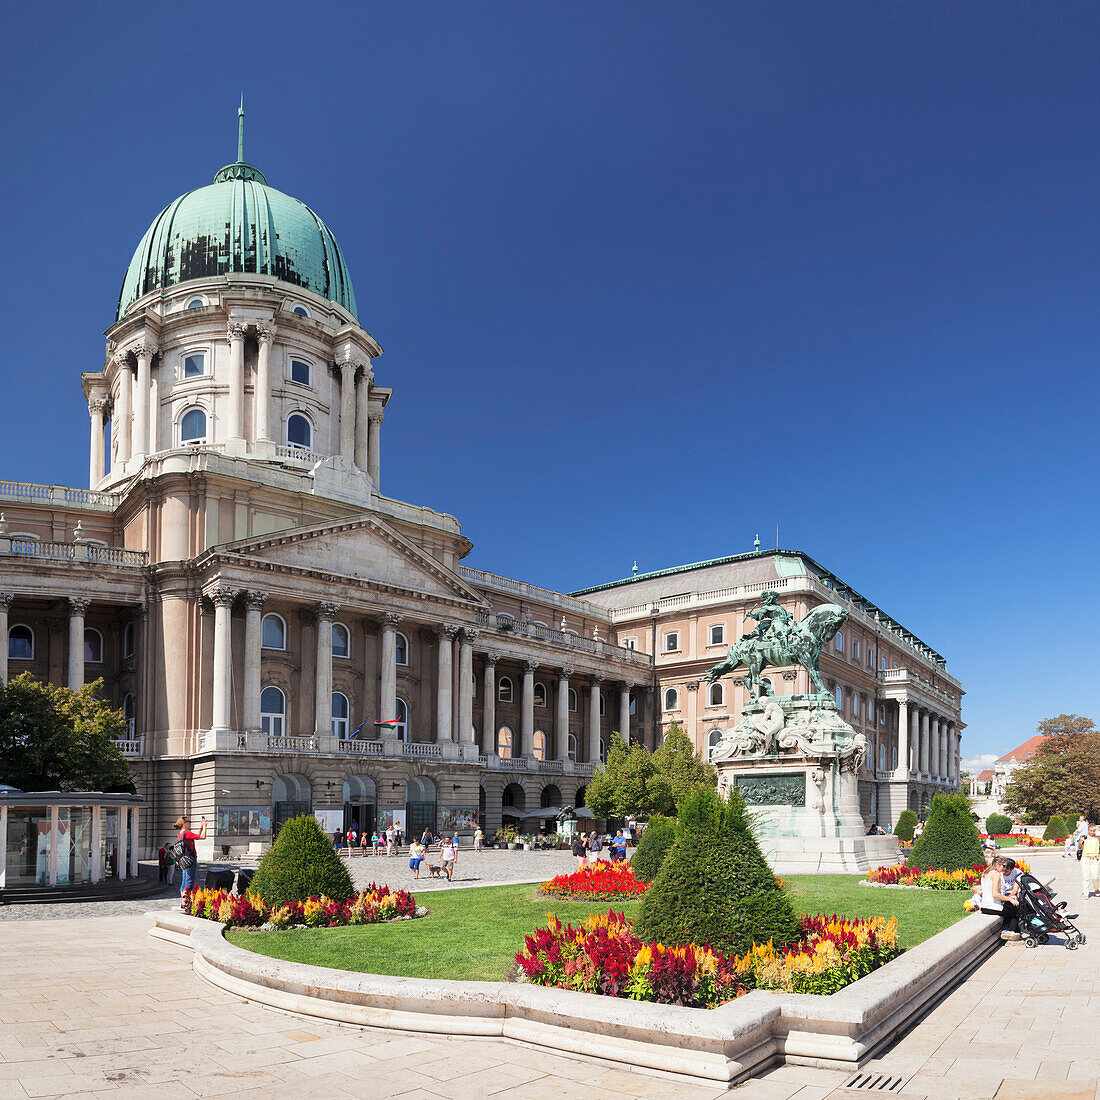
[798, 643]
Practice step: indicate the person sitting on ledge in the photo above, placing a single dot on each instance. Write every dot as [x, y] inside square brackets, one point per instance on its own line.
[997, 899]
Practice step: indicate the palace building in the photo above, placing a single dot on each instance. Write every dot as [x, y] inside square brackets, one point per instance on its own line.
[256, 606]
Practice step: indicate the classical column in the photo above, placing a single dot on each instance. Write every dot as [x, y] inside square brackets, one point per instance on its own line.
[261, 399]
[253, 640]
[624, 713]
[561, 731]
[925, 743]
[235, 409]
[466, 684]
[123, 409]
[96, 459]
[903, 737]
[527, 710]
[5, 605]
[914, 743]
[444, 680]
[347, 410]
[934, 745]
[77, 607]
[222, 597]
[363, 382]
[594, 721]
[374, 445]
[135, 837]
[945, 756]
[322, 702]
[387, 704]
[489, 710]
[144, 353]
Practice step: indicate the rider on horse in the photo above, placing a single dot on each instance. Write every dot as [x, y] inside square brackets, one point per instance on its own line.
[773, 621]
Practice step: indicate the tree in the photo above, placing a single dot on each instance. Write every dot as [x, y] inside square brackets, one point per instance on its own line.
[55, 739]
[1065, 771]
[301, 864]
[714, 885]
[950, 840]
[638, 783]
[998, 825]
[906, 826]
[1056, 828]
[658, 838]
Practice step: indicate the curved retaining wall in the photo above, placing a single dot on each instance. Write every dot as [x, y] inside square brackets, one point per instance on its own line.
[725, 1044]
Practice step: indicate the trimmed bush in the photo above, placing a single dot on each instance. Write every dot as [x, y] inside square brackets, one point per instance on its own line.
[301, 864]
[658, 838]
[998, 825]
[907, 824]
[950, 840]
[1056, 828]
[714, 886]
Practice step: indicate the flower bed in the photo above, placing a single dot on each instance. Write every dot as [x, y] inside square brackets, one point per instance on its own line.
[900, 874]
[605, 956]
[373, 905]
[597, 882]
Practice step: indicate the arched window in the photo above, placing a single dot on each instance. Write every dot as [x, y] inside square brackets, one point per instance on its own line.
[504, 690]
[504, 742]
[716, 695]
[340, 710]
[840, 641]
[839, 695]
[672, 699]
[540, 695]
[272, 711]
[20, 643]
[291, 796]
[401, 729]
[299, 432]
[193, 426]
[401, 648]
[540, 745]
[128, 712]
[767, 685]
[273, 632]
[93, 646]
[550, 797]
[603, 751]
[712, 743]
[196, 303]
[571, 751]
[633, 704]
[341, 640]
[572, 701]
[300, 310]
[128, 640]
[882, 756]
[582, 794]
[603, 704]
[514, 797]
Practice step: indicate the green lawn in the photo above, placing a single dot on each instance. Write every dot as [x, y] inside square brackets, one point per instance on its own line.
[474, 934]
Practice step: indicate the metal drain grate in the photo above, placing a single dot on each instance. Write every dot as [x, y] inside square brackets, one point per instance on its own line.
[877, 1082]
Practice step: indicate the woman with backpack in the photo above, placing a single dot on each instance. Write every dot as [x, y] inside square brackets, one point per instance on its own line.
[184, 854]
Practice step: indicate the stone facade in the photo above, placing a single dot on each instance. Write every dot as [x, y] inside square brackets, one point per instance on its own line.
[888, 685]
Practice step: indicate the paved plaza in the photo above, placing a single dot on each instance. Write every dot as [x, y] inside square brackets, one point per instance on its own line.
[93, 1006]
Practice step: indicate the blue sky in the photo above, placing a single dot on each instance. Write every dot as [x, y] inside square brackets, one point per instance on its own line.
[651, 278]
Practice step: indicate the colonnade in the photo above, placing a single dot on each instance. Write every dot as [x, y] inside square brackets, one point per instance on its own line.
[928, 744]
[135, 401]
[77, 607]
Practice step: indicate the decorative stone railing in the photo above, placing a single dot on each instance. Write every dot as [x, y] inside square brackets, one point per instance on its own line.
[909, 676]
[72, 552]
[531, 592]
[255, 742]
[58, 496]
[300, 455]
[532, 764]
[507, 625]
[131, 746]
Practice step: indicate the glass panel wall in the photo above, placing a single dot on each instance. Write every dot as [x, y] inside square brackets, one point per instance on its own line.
[74, 845]
[108, 842]
[28, 846]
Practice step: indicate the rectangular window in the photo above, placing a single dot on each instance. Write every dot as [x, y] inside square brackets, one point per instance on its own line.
[630, 643]
[855, 649]
[855, 705]
[895, 756]
[300, 372]
[882, 715]
[870, 656]
[672, 641]
[194, 366]
[718, 634]
[839, 641]
[882, 756]
[882, 663]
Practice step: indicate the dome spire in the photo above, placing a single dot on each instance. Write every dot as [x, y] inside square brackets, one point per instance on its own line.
[240, 131]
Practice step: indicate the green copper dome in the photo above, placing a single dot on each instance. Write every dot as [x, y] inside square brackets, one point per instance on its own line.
[238, 224]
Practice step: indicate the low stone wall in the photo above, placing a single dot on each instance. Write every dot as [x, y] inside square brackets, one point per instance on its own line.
[725, 1045]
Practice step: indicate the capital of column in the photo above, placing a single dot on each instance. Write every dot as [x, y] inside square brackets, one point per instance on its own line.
[122, 359]
[530, 667]
[144, 350]
[235, 330]
[375, 416]
[254, 601]
[347, 368]
[78, 605]
[97, 405]
[326, 611]
[223, 595]
[5, 600]
[470, 634]
[447, 630]
[265, 334]
[597, 678]
[492, 657]
[566, 673]
[392, 618]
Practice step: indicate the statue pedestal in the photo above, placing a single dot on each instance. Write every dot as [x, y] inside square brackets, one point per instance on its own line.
[796, 762]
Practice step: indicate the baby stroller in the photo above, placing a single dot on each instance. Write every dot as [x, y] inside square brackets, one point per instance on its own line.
[1039, 916]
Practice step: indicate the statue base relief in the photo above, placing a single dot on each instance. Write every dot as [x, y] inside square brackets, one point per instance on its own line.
[796, 763]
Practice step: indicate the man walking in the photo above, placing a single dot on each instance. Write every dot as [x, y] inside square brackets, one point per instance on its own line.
[1090, 863]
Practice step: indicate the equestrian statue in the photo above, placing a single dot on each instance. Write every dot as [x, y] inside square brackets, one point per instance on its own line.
[778, 640]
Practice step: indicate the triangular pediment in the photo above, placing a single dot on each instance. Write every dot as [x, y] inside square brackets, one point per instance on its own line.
[361, 548]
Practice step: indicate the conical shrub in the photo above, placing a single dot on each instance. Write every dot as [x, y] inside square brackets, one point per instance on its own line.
[1056, 828]
[658, 838]
[998, 825]
[714, 885]
[950, 840]
[301, 864]
[907, 824]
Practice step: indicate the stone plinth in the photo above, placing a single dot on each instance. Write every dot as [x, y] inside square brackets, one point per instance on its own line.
[795, 762]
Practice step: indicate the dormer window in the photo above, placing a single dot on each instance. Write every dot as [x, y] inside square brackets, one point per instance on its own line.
[300, 310]
[299, 431]
[193, 427]
[194, 366]
[196, 303]
[300, 372]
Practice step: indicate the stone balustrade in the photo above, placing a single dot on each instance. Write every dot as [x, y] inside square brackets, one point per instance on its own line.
[88, 552]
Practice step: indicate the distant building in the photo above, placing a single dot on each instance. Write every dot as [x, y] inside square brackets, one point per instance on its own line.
[1005, 766]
